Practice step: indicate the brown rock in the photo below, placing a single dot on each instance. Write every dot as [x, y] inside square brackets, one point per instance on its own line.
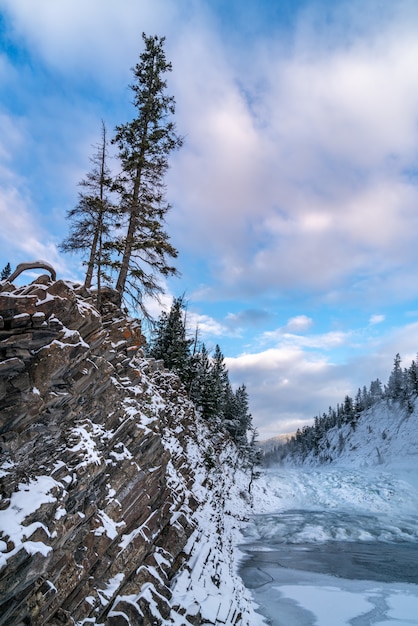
[77, 409]
[11, 305]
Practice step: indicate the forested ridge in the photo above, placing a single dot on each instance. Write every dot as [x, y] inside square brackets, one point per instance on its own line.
[399, 395]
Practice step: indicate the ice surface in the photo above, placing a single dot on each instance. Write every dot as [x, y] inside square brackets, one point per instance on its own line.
[327, 602]
[338, 547]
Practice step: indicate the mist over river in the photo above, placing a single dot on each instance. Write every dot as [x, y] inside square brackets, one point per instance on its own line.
[338, 547]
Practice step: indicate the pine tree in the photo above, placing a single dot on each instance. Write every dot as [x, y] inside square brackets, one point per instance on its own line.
[231, 419]
[6, 271]
[243, 417]
[375, 391]
[219, 381]
[395, 383]
[210, 384]
[92, 218]
[201, 387]
[144, 146]
[413, 378]
[170, 342]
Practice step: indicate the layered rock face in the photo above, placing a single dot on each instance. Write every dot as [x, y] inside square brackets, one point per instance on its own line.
[102, 473]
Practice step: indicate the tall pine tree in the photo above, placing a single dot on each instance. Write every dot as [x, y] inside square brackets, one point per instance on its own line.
[219, 382]
[144, 146]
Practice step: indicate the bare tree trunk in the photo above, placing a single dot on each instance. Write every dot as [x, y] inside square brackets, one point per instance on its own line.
[90, 264]
[130, 237]
[97, 238]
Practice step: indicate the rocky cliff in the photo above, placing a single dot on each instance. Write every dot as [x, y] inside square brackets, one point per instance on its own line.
[118, 505]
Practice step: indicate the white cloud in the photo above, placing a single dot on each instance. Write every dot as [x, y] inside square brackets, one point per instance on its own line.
[206, 325]
[323, 341]
[23, 236]
[292, 169]
[377, 319]
[295, 173]
[94, 38]
[302, 183]
[155, 306]
[286, 386]
[299, 323]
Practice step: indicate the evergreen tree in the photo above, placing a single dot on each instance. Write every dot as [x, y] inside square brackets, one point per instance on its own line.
[92, 218]
[376, 391]
[395, 383]
[358, 404]
[230, 411]
[170, 342]
[201, 387]
[365, 398]
[243, 417]
[206, 379]
[402, 386]
[6, 271]
[144, 146]
[218, 381]
[413, 378]
[348, 410]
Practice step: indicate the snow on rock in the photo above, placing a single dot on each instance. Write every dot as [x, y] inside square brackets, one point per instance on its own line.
[109, 511]
[23, 503]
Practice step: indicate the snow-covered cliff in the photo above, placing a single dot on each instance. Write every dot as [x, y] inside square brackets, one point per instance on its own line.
[118, 504]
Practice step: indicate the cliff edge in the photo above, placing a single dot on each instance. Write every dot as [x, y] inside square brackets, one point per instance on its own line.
[118, 505]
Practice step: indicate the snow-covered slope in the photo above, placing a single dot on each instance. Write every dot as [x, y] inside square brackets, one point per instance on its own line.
[386, 434]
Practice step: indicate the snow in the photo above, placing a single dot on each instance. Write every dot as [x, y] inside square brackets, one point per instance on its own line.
[127, 539]
[73, 337]
[209, 583]
[367, 497]
[60, 512]
[335, 540]
[325, 603]
[26, 500]
[108, 527]
[87, 446]
[111, 588]
[4, 467]
[386, 435]
[403, 606]
[337, 546]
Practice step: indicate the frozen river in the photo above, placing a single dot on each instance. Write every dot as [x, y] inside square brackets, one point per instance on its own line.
[339, 547]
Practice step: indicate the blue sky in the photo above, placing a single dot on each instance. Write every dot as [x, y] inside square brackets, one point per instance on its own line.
[295, 195]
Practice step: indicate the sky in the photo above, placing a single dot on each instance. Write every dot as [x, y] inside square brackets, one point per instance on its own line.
[294, 197]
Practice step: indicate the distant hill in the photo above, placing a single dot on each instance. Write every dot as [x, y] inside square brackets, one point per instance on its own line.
[378, 427]
[385, 434]
[270, 444]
